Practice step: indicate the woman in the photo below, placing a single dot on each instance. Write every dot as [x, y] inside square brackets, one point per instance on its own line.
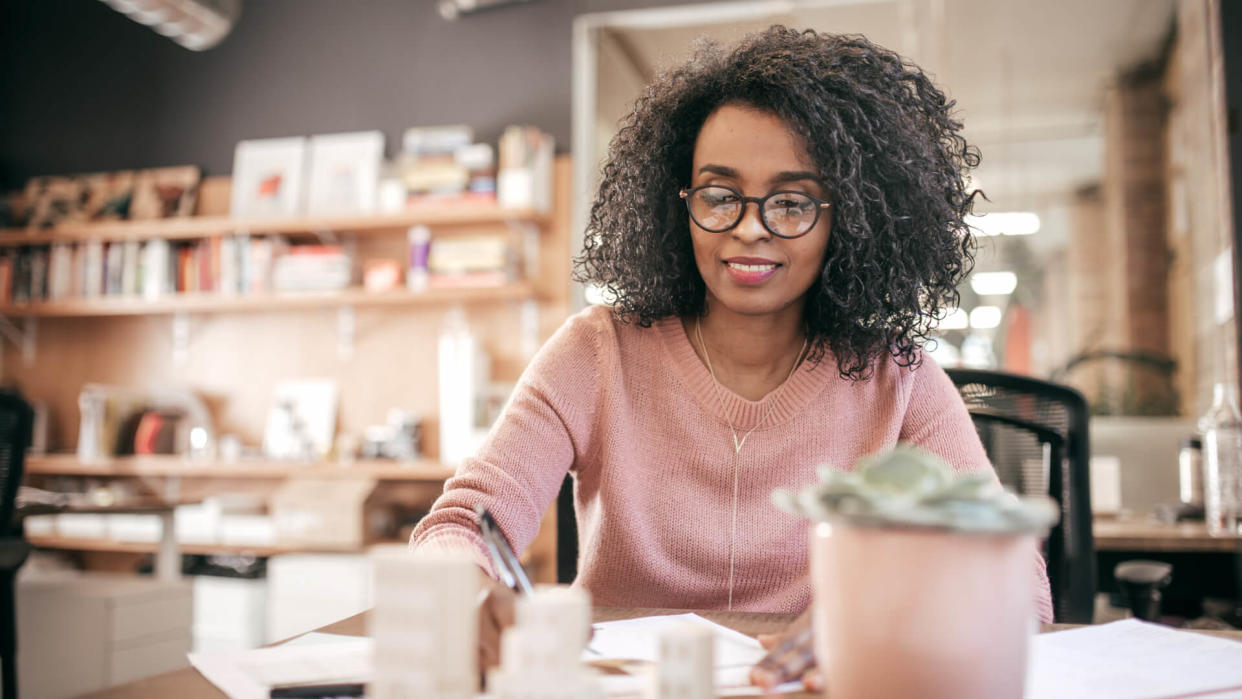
[780, 226]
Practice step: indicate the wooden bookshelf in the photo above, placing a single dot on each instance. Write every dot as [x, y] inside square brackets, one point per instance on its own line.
[107, 545]
[445, 217]
[178, 466]
[226, 303]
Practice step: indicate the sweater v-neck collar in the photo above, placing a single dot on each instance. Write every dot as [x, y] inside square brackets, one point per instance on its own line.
[785, 400]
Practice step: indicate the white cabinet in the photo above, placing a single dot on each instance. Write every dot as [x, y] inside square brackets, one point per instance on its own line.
[82, 633]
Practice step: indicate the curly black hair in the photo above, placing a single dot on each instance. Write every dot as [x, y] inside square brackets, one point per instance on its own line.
[886, 145]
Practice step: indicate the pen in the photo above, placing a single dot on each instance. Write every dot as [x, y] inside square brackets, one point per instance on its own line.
[787, 661]
[348, 689]
[507, 565]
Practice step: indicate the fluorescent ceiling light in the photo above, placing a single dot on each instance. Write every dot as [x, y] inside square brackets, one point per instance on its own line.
[985, 317]
[994, 283]
[1004, 223]
[955, 319]
[195, 24]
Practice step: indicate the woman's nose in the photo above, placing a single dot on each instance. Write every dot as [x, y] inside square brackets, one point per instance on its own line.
[751, 228]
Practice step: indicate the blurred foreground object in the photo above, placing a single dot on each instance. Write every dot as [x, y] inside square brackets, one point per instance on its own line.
[195, 24]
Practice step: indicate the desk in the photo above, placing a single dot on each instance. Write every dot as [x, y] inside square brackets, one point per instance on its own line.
[188, 684]
[1112, 534]
[1203, 566]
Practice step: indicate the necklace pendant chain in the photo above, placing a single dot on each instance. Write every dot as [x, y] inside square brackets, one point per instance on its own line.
[739, 443]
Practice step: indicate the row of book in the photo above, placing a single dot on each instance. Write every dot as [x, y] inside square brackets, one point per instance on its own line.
[148, 269]
[245, 265]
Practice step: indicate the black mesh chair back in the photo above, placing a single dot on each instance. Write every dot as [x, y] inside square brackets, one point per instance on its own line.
[16, 420]
[1035, 434]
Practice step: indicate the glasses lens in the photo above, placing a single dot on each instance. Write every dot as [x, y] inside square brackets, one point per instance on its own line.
[715, 208]
[789, 213]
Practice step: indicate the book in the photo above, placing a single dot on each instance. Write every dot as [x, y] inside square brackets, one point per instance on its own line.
[131, 250]
[154, 268]
[93, 269]
[113, 267]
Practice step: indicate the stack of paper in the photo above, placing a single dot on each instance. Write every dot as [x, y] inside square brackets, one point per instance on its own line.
[1132, 659]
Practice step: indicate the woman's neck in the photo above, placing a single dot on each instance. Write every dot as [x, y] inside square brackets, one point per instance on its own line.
[750, 355]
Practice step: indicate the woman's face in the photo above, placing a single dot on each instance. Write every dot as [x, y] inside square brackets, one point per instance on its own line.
[747, 269]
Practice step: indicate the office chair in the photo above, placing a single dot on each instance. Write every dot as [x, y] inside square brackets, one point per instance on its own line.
[16, 420]
[1035, 434]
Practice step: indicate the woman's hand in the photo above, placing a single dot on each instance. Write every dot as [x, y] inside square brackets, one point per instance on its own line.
[790, 656]
[495, 615]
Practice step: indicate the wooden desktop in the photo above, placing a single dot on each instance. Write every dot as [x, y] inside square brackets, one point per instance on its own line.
[187, 683]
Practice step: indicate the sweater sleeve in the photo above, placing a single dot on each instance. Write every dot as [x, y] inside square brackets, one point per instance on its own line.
[517, 471]
[937, 420]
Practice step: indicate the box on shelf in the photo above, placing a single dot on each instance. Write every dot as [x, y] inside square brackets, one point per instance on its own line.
[134, 527]
[77, 525]
[322, 512]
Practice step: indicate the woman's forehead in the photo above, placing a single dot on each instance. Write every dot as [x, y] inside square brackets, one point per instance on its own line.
[753, 142]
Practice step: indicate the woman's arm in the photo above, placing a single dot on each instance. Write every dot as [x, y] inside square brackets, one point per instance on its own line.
[546, 426]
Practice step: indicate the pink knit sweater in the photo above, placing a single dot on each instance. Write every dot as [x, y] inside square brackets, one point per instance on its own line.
[633, 414]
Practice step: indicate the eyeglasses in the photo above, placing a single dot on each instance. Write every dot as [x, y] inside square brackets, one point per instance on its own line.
[785, 214]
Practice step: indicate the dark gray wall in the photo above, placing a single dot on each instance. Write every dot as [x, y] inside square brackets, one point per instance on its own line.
[84, 88]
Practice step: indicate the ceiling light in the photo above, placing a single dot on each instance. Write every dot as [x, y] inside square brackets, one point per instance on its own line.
[955, 319]
[195, 24]
[452, 9]
[985, 317]
[1004, 223]
[994, 283]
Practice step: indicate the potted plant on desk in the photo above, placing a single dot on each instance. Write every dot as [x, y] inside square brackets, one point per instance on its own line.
[923, 581]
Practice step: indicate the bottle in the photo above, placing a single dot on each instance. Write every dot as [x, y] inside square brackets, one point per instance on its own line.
[419, 238]
[458, 387]
[1221, 428]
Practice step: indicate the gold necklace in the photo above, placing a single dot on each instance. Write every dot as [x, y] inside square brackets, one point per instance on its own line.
[737, 443]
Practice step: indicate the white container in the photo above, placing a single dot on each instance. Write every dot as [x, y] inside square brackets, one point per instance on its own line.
[1221, 427]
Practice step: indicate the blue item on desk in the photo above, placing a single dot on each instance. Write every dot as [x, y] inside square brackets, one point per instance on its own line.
[507, 565]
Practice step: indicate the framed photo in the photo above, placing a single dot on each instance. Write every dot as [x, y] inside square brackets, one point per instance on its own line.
[344, 172]
[302, 421]
[109, 195]
[54, 200]
[267, 177]
[169, 192]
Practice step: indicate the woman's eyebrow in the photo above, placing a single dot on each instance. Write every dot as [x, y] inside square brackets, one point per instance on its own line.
[794, 176]
[718, 170]
[778, 178]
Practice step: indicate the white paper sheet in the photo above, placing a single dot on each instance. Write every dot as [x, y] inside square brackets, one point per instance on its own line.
[1132, 659]
[638, 640]
[250, 674]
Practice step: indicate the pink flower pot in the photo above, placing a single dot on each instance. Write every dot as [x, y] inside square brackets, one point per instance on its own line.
[907, 612]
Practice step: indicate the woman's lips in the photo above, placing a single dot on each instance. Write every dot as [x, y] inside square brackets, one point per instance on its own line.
[750, 272]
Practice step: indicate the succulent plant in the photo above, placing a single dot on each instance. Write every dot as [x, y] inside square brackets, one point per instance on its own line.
[911, 487]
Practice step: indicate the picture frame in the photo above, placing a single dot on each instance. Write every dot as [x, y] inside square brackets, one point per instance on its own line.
[108, 195]
[344, 172]
[168, 192]
[267, 177]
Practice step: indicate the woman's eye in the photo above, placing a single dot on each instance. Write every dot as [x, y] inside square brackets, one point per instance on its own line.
[719, 198]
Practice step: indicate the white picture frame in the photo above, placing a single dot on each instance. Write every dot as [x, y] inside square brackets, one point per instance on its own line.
[344, 173]
[302, 421]
[268, 177]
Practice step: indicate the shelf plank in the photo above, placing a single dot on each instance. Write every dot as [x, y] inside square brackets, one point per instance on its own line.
[224, 303]
[112, 546]
[206, 226]
[163, 466]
